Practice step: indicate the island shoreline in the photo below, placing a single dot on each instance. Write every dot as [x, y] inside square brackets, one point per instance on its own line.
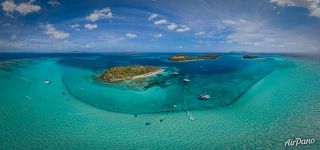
[148, 74]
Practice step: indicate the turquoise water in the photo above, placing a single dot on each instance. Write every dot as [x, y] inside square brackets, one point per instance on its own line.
[255, 104]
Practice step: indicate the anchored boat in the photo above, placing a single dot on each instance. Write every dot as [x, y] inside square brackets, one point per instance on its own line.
[204, 97]
[47, 82]
[186, 79]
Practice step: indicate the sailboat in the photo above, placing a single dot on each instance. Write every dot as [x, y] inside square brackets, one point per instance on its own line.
[46, 82]
[186, 79]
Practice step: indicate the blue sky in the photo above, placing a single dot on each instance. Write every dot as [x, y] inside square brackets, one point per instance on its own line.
[160, 25]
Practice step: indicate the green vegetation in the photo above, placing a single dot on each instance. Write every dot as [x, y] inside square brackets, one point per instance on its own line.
[250, 57]
[208, 56]
[180, 58]
[121, 73]
[190, 58]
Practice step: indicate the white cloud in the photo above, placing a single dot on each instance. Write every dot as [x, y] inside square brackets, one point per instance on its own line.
[183, 28]
[200, 33]
[86, 46]
[90, 26]
[50, 30]
[284, 2]
[196, 45]
[172, 26]
[100, 14]
[13, 37]
[26, 8]
[248, 33]
[6, 24]
[229, 22]
[131, 35]
[263, 37]
[244, 21]
[312, 5]
[162, 21]
[158, 35]
[53, 3]
[152, 16]
[9, 7]
[75, 26]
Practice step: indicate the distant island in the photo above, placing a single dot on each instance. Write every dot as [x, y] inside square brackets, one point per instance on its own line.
[250, 57]
[122, 73]
[182, 58]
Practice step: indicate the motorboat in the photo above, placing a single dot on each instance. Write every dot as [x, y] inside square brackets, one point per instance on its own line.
[204, 97]
[47, 82]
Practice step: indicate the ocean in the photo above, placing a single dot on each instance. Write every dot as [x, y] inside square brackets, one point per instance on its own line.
[255, 104]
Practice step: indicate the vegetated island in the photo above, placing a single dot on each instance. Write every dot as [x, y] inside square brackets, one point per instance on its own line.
[122, 73]
[250, 57]
[182, 58]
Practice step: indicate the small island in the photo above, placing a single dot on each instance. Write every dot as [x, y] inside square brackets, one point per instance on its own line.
[250, 57]
[180, 58]
[122, 73]
[208, 56]
[183, 58]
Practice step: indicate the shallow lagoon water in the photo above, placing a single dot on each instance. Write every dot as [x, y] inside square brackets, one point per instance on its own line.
[255, 103]
[226, 79]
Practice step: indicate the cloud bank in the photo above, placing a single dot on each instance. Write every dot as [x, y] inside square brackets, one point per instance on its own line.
[50, 30]
[96, 15]
[312, 5]
[9, 7]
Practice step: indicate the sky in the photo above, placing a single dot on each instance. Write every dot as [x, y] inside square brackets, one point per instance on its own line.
[276, 26]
